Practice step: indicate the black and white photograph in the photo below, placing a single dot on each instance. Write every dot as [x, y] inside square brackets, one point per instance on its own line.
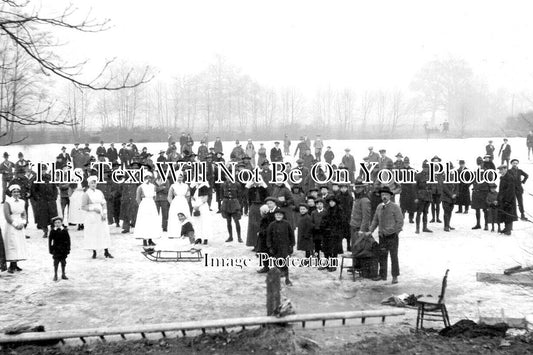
[266, 177]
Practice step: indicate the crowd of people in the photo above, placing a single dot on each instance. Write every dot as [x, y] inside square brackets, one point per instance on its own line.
[321, 220]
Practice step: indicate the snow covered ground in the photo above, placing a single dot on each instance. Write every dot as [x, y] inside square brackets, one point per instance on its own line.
[129, 289]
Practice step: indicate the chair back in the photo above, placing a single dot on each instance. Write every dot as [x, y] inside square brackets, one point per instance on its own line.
[443, 289]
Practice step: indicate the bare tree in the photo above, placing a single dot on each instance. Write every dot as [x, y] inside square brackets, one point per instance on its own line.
[26, 32]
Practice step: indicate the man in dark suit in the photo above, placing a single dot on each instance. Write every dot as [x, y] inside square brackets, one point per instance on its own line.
[489, 149]
[506, 200]
[63, 158]
[112, 153]
[275, 153]
[520, 178]
[505, 152]
[6, 170]
[101, 151]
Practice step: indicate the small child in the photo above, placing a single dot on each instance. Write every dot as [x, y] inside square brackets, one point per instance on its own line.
[187, 230]
[305, 231]
[59, 246]
[492, 202]
[316, 217]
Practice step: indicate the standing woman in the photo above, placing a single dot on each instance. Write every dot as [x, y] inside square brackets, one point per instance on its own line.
[147, 212]
[15, 239]
[201, 211]
[76, 214]
[261, 155]
[257, 193]
[96, 231]
[178, 195]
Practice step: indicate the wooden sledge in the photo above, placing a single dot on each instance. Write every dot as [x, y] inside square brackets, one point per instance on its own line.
[161, 256]
[515, 279]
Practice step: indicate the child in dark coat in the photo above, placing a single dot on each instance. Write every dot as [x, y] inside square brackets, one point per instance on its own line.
[305, 231]
[187, 230]
[59, 246]
[492, 202]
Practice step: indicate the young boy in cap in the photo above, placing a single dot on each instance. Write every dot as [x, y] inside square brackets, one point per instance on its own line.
[59, 246]
[316, 217]
[280, 241]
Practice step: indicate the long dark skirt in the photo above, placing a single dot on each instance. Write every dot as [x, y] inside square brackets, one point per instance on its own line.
[45, 211]
[254, 219]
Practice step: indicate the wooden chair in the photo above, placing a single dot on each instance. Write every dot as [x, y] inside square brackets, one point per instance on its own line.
[432, 309]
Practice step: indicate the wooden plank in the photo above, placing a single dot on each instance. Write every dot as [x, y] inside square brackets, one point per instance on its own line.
[195, 325]
[516, 279]
[511, 322]
[517, 269]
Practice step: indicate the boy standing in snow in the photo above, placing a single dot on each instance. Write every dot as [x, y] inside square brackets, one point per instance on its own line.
[280, 241]
[59, 246]
[492, 202]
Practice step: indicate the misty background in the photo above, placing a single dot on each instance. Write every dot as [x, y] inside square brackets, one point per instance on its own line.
[239, 69]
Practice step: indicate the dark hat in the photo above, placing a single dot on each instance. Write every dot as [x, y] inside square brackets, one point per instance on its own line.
[115, 164]
[487, 156]
[265, 162]
[425, 164]
[516, 160]
[490, 141]
[219, 153]
[162, 151]
[76, 143]
[276, 142]
[303, 205]
[57, 218]
[492, 185]
[436, 158]
[461, 161]
[310, 197]
[366, 158]
[241, 165]
[6, 154]
[246, 157]
[328, 147]
[319, 200]
[383, 151]
[347, 149]
[101, 142]
[279, 210]
[359, 182]
[324, 187]
[332, 198]
[237, 142]
[313, 189]
[399, 155]
[299, 161]
[503, 166]
[296, 186]
[270, 198]
[21, 155]
[406, 160]
[101, 154]
[505, 139]
[385, 189]
[63, 147]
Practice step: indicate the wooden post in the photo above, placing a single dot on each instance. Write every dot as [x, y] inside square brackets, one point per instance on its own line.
[273, 288]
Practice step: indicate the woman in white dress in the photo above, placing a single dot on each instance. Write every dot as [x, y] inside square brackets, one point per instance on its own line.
[201, 212]
[15, 238]
[146, 226]
[178, 195]
[96, 231]
[76, 214]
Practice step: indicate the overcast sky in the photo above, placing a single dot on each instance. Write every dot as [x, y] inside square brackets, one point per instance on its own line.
[310, 44]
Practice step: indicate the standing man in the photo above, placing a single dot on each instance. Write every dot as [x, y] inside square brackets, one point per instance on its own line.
[463, 191]
[124, 155]
[301, 148]
[183, 141]
[384, 161]
[529, 143]
[237, 153]
[349, 163]
[489, 150]
[372, 156]
[520, 178]
[6, 169]
[318, 147]
[506, 200]
[423, 198]
[101, 151]
[63, 158]
[328, 155]
[505, 152]
[286, 145]
[218, 145]
[389, 219]
[436, 193]
[275, 153]
[112, 153]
